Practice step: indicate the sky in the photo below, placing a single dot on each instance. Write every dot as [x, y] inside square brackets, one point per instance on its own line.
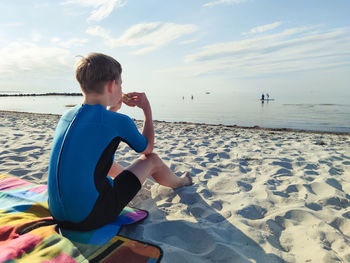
[296, 48]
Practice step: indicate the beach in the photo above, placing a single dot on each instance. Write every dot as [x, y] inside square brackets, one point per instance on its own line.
[259, 195]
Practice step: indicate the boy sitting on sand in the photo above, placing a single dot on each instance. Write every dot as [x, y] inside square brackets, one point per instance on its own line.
[86, 188]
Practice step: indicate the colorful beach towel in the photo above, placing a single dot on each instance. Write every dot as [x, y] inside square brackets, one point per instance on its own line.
[29, 234]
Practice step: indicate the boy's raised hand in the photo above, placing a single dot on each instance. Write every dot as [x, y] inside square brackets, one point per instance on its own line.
[137, 99]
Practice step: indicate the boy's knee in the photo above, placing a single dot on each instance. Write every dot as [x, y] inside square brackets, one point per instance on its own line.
[153, 158]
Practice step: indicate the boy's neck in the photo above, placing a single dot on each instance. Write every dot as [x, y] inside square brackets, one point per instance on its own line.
[93, 99]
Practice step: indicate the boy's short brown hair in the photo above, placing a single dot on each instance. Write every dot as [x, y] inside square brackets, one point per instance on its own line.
[95, 70]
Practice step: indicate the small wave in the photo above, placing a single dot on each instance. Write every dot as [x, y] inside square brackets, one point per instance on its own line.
[316, 104]
[300, 105]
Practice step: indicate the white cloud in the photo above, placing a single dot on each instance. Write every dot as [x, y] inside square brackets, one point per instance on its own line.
[148, 36]
[25, 57]
[55, 40]
[295, 49]
[101, 8]
[10, 25]
[190, 41]
[69, 43]
[242, 47]
[36, 36]
[226, 2]
[260, 29]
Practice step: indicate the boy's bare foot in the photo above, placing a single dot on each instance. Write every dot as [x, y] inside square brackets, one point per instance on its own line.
[186, 179]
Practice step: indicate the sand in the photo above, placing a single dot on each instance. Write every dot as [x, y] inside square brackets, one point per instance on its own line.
[259, 195]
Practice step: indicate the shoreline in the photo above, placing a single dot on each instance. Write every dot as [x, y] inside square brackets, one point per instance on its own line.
[39, 94]
[255, 127]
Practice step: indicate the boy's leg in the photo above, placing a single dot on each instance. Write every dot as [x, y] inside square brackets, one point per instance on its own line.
[152, 165]
[115, 170]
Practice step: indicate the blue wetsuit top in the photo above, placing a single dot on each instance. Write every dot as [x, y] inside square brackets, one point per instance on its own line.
[84, 145]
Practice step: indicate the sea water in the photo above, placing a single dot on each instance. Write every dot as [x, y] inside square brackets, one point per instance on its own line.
[212, 109]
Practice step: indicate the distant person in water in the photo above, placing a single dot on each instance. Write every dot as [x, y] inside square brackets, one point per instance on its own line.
[267, 96]
[262, 97]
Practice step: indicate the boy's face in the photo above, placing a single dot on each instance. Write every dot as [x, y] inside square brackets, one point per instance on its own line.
[117, 94]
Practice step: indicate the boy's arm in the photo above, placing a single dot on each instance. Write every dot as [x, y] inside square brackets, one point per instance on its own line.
[140, 100]
[148, 130]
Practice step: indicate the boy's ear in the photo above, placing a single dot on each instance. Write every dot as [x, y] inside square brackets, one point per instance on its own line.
[110, 86]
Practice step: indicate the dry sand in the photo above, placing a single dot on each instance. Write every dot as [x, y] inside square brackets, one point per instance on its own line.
[258, 195]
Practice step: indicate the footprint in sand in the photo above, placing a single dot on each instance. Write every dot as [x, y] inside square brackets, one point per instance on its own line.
[210, 174]
[188, 198]
[346, 215]
[224, 155]
[299, 216]
[325, 162]
[252, 212]
[311, 167]
[16, 158]
[286, 194]
[196, 171]
[198, 212]
[314, 206]
[244, 186]
[212, 157]
[217, 205]
[206, 193]
[334, 183]
[39, 137]
[341, 224]
[311, 173]
[286, 165]
[19, 172]
[217, 218]
[337, 203]
[335, 171]
[25, 149]
[273, 183]
[281, 194]
[292, 189]
[276, 227]
[283, 172]
[309, 189]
